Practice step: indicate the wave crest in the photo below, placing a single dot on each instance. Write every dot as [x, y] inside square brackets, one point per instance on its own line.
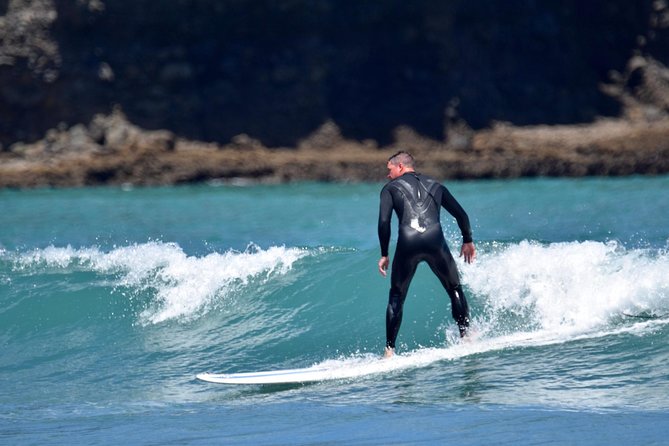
[182, 286]
[570, 286]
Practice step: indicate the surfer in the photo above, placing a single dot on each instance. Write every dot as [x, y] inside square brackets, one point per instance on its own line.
[417, 200]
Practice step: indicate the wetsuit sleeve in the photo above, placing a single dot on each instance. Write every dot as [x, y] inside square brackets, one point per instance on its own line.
[453, 207]
[385, 214]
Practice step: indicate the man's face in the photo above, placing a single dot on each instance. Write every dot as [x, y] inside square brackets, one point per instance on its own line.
[394, 170]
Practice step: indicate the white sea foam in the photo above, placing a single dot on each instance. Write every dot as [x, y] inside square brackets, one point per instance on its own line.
[357, 366]
[182, 286]
[569, 287]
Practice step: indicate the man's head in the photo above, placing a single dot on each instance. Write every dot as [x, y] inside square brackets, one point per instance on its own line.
[399, 164]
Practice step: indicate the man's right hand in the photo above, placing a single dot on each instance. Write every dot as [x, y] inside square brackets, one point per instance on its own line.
[383, 265]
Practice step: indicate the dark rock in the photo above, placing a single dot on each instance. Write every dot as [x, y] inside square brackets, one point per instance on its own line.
[277, 70]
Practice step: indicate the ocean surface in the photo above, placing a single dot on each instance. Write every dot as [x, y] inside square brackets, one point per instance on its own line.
[113, 299]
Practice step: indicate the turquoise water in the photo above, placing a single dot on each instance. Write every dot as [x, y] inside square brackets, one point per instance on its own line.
[112, 300]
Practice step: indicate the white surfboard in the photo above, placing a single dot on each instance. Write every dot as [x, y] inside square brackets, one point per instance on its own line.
[324, 371]
[270, 377]
[333, 369]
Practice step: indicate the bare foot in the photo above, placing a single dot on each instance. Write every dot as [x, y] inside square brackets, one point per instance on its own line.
[469, 336]
[388, 353]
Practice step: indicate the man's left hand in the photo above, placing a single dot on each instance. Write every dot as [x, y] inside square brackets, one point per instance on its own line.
[468, 250]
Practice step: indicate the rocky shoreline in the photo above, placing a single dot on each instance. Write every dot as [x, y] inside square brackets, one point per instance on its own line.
[110, 150]
[239, 87]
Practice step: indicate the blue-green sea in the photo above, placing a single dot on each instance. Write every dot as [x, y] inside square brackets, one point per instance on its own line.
[113, 299]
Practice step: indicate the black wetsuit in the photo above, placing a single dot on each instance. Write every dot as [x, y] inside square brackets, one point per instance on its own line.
[417, 199]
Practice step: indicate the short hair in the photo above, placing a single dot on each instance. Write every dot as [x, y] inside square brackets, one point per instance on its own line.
[402, 157]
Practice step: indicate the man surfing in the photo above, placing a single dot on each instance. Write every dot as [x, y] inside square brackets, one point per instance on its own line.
[417, 200]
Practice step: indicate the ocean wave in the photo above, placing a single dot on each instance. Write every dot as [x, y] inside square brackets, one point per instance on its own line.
[564, 288]
[182, 287]
[568, 287]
